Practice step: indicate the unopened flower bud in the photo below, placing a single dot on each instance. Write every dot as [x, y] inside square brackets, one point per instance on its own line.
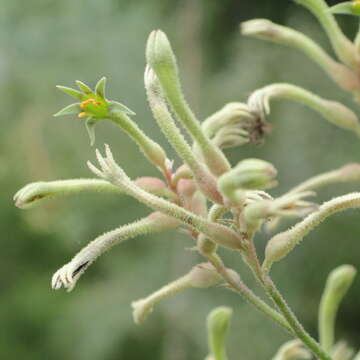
[337, 285]
[350, 172]
[340, 115]
[263, 29]
[342, 351]
[201, 276]
[293, 350]
[218, 322]
[256, 174]
[247, 175]
[151, 184]
[276, 249]
[161, 59]
[34, 193]
[340, 279]
[159, 54]
[183, 172]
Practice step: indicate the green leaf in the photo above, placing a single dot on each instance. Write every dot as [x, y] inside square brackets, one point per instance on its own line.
[118, 107]
[69, 110]
[72, 92]
[347, 8]
[100, 87]
[83, 87]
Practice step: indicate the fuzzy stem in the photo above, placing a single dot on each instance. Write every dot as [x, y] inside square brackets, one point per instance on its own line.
[204, 179]
[343, 47]
[281, 244]
[32, 194]
[267, 30]
[238, 286]
[293, 321]
[251, 258]
[71, 272]
[113, 173]
[161, 59]
[347, 173]
[334, 112]
[153, 151]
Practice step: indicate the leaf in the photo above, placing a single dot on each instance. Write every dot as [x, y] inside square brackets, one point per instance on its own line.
[72, 92]
[100, 87]
[83, 87]
[69, 110]
[118, 107]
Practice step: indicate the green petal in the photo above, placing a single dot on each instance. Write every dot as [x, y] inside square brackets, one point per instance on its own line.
[90, 127]
[72, 92]
[117, 107]
[69, 110]
[83, 87]
[347, 8]
[100, 87]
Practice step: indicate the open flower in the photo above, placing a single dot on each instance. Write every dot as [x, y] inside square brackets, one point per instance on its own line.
[93, 105]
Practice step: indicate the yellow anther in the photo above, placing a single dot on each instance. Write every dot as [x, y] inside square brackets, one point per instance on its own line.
[82, 114]
[89, 101]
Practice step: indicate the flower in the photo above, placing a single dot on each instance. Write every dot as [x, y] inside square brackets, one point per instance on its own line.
[93, 105]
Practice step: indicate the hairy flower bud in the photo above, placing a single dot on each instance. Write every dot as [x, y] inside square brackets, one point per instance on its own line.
[160, 57]
[337, 285]
[218, 322]
[293, 350]
[267, 30]
[349, 172]
[249, 174]
[200, 276]
[281, 244]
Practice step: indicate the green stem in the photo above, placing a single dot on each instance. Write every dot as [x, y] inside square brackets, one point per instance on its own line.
[162, 60]
[150, 148]
[343, 47]
[334, 112]
[238, 286]
[293, 321]
[283, 307]
[204, 179]
[267, 30]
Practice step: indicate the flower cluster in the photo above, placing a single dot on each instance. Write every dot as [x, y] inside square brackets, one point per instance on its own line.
[238, 195]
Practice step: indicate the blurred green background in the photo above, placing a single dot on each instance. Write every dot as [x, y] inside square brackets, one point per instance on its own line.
[44, 43]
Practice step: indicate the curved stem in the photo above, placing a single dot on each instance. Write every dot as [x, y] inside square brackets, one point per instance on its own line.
[334, 112]
[343, 47]
[267, 30]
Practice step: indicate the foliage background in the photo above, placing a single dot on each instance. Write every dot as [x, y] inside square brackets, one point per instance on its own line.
[44, 43]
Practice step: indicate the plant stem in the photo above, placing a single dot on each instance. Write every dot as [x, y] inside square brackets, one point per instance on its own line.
[283, 307]
[294, 323]
[238, 286]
